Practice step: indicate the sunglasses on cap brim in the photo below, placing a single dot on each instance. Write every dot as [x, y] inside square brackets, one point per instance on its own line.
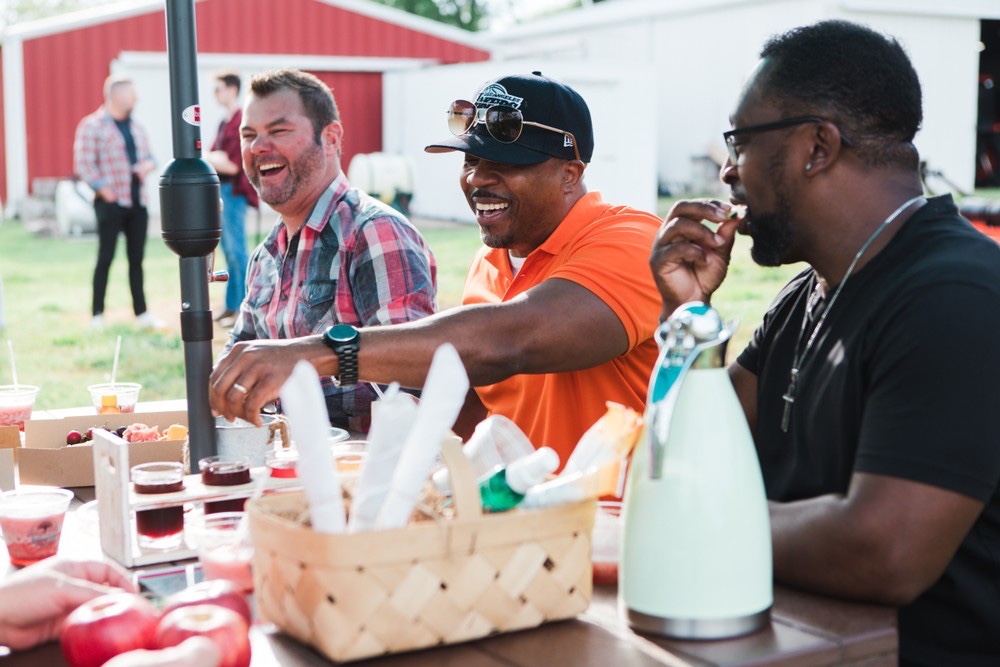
[503, 123]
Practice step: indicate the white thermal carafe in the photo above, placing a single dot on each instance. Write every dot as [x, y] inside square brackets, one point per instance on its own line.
[696, 546]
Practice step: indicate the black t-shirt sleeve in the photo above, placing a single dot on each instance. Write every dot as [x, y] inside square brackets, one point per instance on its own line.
[933, 408]
[749, 358]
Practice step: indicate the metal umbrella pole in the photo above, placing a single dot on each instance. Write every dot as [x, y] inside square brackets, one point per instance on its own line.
[191, 222]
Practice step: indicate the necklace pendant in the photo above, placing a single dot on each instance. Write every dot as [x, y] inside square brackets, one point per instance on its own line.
[789, 398]
[800, 355]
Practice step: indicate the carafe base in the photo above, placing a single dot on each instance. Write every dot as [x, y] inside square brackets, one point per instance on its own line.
[701, 628]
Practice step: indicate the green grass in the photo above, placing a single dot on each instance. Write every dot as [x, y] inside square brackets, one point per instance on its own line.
[47, 296]
[453, 247]
[747, 292]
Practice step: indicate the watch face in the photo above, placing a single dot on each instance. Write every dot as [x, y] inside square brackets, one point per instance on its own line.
[342, 333]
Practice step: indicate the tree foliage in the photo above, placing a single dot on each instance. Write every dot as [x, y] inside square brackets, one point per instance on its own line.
[469, 15]
[13, 12]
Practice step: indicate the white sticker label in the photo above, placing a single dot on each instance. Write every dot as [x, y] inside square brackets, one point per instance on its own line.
[192, 115]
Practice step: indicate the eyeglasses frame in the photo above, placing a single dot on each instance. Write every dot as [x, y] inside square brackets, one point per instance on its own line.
[730, 136]
[481, 118]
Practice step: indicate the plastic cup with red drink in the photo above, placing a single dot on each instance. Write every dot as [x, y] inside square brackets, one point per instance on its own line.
[31, 518]
[224, 551]
[607, 537]
[224, 471]
[161, 527]
[16, 403]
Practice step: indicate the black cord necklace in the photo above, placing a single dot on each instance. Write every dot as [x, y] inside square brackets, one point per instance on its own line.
[800, 352]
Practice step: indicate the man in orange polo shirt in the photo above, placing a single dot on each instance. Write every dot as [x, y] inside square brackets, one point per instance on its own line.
[559, 308]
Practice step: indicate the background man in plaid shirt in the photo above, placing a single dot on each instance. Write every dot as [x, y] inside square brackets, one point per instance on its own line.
[336, 255]
[111, 154]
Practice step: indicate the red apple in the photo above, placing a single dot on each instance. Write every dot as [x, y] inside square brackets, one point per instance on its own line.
[211, 591]
[100, 629]
[222, 625]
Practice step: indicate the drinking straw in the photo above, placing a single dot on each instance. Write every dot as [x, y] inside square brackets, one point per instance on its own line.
[13, 368]
[114, 366]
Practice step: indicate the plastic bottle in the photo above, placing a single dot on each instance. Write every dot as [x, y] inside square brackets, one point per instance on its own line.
[497, 441]
[505, 487]
[575, 487]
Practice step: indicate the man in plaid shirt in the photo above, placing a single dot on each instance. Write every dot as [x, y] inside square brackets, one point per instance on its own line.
[111, 154]
[336, 255]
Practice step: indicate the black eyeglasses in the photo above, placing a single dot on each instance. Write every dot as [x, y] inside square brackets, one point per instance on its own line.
[730, 136]
[503, 123]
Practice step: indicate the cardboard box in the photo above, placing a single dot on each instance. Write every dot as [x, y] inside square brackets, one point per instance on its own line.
[46, 459]
[10, 440]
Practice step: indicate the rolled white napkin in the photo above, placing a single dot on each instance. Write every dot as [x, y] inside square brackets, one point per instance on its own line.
[305, 408]
[393, 416]
[441, 400]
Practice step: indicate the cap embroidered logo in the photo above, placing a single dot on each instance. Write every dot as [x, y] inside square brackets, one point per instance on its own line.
[495, 94]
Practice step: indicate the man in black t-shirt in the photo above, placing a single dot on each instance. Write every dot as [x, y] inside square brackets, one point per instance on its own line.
[872, 386]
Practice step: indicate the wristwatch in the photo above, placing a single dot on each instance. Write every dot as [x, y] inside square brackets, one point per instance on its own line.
[345, 341]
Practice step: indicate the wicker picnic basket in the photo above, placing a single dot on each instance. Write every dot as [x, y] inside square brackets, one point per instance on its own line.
[430, 583]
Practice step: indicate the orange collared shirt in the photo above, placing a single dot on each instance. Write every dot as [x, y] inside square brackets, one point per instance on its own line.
[606, 250]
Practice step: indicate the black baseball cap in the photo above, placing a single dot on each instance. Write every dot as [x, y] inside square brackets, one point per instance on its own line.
[540, 100]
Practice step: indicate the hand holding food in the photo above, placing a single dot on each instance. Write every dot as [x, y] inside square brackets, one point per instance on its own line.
[689, 260]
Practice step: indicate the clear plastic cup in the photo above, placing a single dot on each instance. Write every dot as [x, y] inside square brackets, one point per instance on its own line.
[31, 518]
[224, 551]
[16, 404]
[88, 518]
[282, 462]
[162, 527]
[111, 399]
[350, 455]
[606, 544]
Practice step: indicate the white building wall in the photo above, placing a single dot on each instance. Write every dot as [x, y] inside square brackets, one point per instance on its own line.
[700, 52]
[623, 167]
[945, 53]
[702, 61]
[15, 134]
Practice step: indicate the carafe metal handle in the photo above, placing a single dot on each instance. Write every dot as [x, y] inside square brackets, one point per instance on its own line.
[694, 336]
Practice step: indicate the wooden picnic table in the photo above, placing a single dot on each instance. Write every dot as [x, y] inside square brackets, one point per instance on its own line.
[805, 629]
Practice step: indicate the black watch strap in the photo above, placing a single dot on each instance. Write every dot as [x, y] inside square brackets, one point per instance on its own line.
[345, 341]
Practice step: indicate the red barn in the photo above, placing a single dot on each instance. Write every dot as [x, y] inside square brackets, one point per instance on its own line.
[53, 69]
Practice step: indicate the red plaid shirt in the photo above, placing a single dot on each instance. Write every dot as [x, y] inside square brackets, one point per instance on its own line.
[100, 157]
[355, 261]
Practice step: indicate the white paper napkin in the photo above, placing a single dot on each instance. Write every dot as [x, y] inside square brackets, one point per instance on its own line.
[441, 400]
[393, 416]
[303, 403]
